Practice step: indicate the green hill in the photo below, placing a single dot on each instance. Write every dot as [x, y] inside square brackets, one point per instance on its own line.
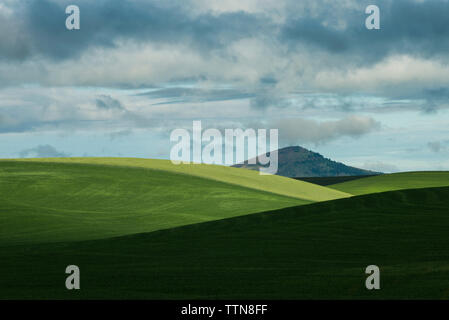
[243, 178]
[394, 181]
[80, 199]
[146, 229]
[315, 251]
[46, 202]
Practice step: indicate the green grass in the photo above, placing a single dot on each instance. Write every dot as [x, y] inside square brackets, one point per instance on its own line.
[52, 201]
[395, 181]
[240, 177]
[313, 251]
[146, 229]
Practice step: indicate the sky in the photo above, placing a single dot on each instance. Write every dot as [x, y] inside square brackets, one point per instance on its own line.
[138, 69]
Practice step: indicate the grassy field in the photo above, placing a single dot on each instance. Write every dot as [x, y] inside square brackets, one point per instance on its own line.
[242, 178]
[47, 202]
[395, 181]
[143, 229]
[305, 252]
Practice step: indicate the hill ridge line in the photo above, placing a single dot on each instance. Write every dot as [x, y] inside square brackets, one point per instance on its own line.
[246, 174]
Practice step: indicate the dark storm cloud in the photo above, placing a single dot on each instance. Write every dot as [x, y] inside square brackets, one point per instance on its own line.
[38, 27]
[412, 27]
[14, 43]
[289, 50]
[103, 22]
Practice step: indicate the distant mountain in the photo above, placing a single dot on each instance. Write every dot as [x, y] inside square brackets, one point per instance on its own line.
[300, 162]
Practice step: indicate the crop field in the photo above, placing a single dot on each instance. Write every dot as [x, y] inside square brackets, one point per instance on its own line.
[395, 181]
[145, 229]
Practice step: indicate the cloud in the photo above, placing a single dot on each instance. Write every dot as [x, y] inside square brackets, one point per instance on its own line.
[310, 131]
[55, 109]
[36, 27]
[106, 102]
[398, 76]
[266, 100]
[418, 28]
[136, 42]
[42, 151]
[104, 23]
[436, 98]
[172, 95]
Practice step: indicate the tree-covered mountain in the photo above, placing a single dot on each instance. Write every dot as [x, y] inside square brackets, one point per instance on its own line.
[300, 162]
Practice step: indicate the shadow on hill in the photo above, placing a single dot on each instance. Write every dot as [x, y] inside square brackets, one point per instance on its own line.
[316, 251]
[327, 181]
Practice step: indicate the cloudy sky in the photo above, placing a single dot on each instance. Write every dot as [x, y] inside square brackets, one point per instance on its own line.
[137, 69]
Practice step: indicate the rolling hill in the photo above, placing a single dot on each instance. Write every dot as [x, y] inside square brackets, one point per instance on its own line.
[146, 229]
[394, 181]
[316, 251]
[244, 178]
[297, 162]
[61, 200]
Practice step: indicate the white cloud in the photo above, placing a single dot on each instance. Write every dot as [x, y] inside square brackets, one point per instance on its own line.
[251, 6]
[310, 131]
[394, 73]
